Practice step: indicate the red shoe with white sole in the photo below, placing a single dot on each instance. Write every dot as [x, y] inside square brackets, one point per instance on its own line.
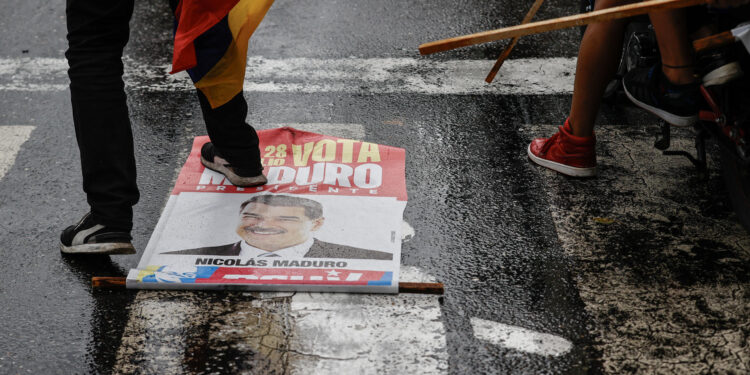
[565, 153]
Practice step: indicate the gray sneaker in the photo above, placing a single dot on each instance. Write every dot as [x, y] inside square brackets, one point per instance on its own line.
[649, 89]
[89, 237]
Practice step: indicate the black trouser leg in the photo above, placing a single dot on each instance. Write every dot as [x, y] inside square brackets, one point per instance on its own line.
[97, 33]
[234, 138]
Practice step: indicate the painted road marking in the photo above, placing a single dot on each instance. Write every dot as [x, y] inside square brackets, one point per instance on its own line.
[532, 76]
[519, 338]
[11, 139]
[321, 333]
[158, 337]
[369, 334]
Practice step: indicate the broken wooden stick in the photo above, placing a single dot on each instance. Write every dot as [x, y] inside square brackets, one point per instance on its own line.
[108, 282]
[556, 24]
[503, 56]
[713, 41]
[421, 288]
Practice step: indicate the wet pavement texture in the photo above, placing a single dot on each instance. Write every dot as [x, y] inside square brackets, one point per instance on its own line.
[643, 269]
[663, 267]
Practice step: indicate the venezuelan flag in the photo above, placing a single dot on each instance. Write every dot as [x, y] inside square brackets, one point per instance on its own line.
[210, 42]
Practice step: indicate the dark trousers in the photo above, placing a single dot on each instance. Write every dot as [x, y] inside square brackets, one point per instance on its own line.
[97, 33]
[234, 138]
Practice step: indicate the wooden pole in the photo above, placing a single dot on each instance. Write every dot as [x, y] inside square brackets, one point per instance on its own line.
[108, 282]
[556, 24]
[503, 56]
[713, 41]
[421, 288]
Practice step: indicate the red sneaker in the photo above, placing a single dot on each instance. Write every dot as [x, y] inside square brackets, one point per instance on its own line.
[565, 153]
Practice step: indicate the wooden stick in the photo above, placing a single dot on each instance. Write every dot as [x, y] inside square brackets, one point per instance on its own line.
[713, 41]
[108, 282]
[422, 288]
[503, 56]
[556, 24]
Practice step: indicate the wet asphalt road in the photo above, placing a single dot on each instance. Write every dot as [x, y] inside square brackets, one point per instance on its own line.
[488, 224]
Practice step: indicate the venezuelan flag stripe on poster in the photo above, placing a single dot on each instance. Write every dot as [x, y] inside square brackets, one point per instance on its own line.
[211, 38]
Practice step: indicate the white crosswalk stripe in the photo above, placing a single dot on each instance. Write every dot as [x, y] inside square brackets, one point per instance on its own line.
[369, 334]
[519, 338]
[12, 137]
[319, 333]
[531, 76]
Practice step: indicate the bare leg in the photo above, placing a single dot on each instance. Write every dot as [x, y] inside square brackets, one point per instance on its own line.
[598, 56]
[674, 46]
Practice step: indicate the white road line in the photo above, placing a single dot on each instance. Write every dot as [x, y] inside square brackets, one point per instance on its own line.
[519, 338]
[328, 333]
[11, 139]
[534, 76]
[33, 74]
[156, 336]
[368, 334]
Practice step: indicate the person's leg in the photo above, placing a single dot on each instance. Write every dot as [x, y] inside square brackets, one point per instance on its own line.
[670, 92]
[571, 151]
[598, 58]
[233, 140]
[97, 33]
[676, 52]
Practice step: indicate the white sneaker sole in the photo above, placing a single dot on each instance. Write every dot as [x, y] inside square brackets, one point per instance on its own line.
[109, 248]
[662, 114]
[723, 74]
[562, 168]
[234, 178]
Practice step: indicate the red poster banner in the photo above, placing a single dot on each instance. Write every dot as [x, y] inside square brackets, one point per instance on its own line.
[299, 162]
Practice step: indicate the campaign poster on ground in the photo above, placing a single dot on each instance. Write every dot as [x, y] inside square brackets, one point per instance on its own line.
[329, 219]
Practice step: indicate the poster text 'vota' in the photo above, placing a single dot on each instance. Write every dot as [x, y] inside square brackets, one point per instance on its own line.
[344, 151]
